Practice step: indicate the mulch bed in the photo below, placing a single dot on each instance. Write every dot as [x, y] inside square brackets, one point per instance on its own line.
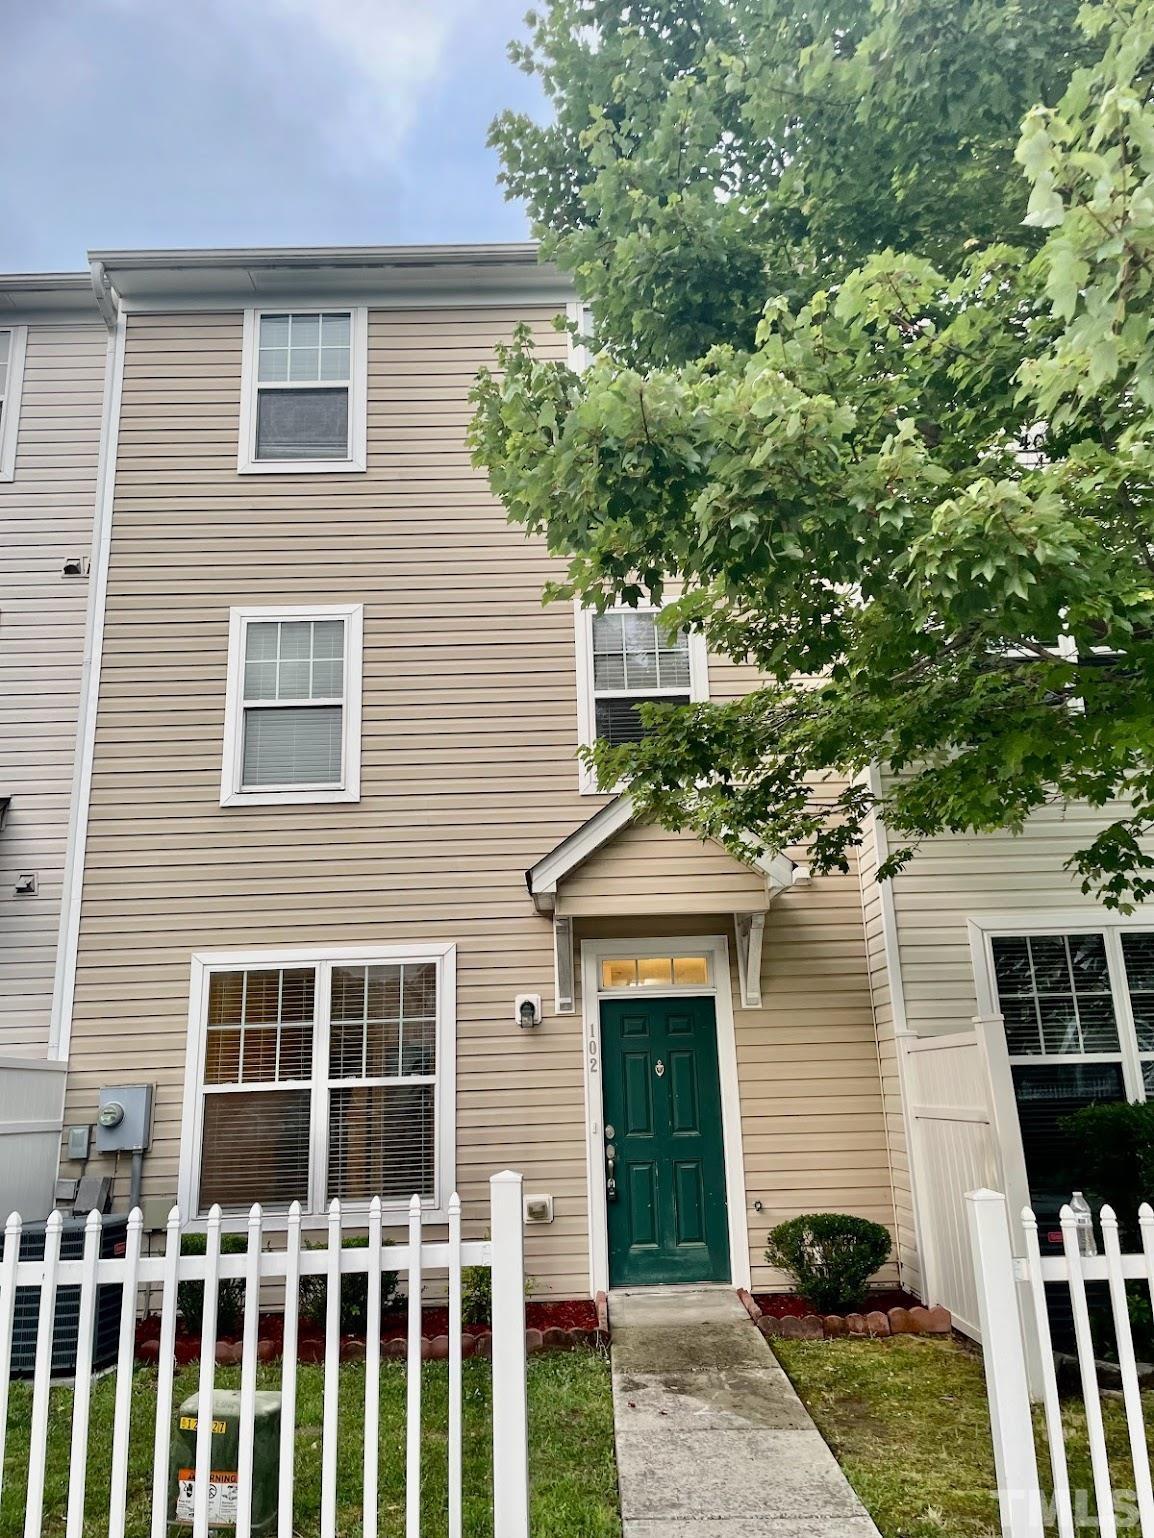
[561, 1326]
[787, 1305]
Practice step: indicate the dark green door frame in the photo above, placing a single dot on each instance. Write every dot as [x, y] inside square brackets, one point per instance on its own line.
[667, 1216]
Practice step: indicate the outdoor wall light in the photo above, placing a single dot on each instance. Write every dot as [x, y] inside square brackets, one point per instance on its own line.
[527, 1010]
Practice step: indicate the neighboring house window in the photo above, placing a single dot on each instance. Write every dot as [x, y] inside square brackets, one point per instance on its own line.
[293, 715]
[12, 345]
[305, 380]
[322, 1078]
[1078, 1009]
[626, 659]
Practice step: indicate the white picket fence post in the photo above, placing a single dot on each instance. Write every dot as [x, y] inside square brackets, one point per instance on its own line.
[1004, 1357]
[510, 1417]
[285, 1262]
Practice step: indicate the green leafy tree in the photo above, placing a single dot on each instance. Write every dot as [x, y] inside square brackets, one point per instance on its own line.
[874, 382]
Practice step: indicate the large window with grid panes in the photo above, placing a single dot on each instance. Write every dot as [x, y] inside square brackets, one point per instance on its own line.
[1078, 1009]
[321, 1079]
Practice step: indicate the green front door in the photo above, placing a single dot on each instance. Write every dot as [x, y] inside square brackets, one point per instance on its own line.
[665, 1165]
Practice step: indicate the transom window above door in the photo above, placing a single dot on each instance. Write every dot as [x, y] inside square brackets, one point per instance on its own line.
[292, 727]
[304, 390]
[626, 658]
[688, 971]
[322, 1078]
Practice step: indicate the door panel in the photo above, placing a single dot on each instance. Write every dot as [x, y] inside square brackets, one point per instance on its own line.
[669, 1220]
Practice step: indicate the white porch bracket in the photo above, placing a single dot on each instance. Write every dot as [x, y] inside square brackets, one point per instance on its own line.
[563, 967]
[750, 932]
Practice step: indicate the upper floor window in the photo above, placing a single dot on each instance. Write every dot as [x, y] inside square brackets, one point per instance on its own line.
[12, 343]
[303, 406]
[626, 658]
[292, 722]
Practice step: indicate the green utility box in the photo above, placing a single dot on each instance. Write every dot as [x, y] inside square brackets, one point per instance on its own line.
[225, 1459]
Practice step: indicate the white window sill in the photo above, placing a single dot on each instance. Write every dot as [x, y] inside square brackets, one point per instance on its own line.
[275, 1221]
[301, 467]
[289, 797]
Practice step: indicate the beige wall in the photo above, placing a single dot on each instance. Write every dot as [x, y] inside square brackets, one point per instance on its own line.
[468, 778]
[956, 877]
[45, 518]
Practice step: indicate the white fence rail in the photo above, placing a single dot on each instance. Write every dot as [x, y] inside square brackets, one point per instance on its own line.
[1016, 1333]
[281, 1268]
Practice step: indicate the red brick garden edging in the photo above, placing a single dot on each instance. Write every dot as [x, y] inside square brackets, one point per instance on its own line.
[895, 1321]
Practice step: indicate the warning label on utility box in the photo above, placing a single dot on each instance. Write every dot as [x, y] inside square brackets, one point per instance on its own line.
[223, 1501]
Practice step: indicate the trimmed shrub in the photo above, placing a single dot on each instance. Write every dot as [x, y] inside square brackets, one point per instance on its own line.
[831, 1257]
[354, 1291]
[1114, 1157]
[230, 1297]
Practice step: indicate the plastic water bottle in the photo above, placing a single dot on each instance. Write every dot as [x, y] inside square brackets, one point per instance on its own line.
[1080, 1207]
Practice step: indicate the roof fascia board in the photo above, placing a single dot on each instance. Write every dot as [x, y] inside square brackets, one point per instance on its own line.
[413, 299]
[52, 297]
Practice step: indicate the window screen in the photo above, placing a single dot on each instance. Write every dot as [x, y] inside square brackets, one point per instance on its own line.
[1055, 996]
[635, 662]
[384, 1028]
[293, 704]
[353, 1047]
[255, 1133]
[303, 382]
[1138, 953]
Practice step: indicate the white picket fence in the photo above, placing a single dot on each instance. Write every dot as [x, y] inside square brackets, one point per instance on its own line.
[282, 1267]
[1019, 1358]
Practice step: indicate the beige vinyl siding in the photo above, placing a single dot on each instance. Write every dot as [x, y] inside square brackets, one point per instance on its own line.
[469, 776]
[956, 877]
[45, 518]
[649, 870]
[470, 732]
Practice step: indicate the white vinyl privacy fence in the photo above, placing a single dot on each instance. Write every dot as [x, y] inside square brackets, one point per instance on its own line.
[1018, 1349]
[955, 1149]
[280, 1268]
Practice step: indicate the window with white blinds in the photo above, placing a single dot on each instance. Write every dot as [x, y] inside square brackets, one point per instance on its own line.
[627, 659]
[304, 390]
[12, 342]
[323, 1080]
[293, 719]
[1078, 1011]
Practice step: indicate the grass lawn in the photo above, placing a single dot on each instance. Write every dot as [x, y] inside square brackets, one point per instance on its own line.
[572, 1468]
[907, 1418]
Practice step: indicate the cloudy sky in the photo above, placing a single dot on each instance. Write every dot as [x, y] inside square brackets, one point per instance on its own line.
[138, 123]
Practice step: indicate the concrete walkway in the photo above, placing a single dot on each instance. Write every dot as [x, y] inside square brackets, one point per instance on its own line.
[712, 1440]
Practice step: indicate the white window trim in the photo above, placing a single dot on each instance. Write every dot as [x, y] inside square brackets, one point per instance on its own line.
[13, 389]
[231, 791]
[716, 948]
[323, 958]
[586, 701]
[247, 462]
[990, 1029]
[985, 931]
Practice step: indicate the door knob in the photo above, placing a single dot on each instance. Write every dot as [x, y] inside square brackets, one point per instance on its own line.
[610, 1173]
